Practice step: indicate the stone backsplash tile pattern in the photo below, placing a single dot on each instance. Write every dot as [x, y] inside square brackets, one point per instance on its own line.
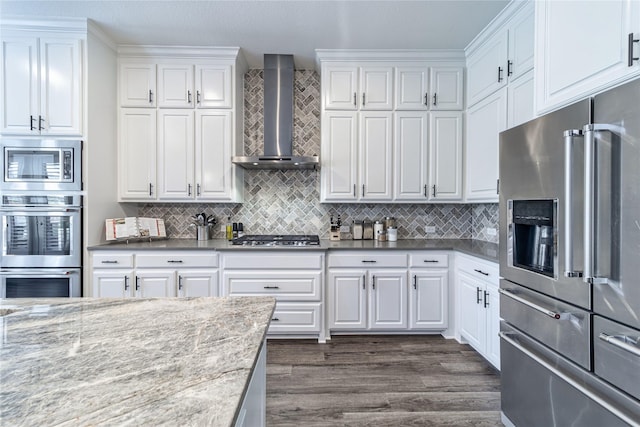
[288, 202]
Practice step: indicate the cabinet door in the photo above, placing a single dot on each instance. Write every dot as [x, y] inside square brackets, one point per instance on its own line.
[521, 41]
[339, 158]
[388, 299]
[376, 155]
[214, 86]
[61, 86]
[197, 283]
[472, 313]
[485, 121]
[112, 283]
[429, 300]
[568, 26]
[19, 85]
[520, 100]
[493, 325]
[446, 88]
[175, 155]
[486, 68]
[137, 154]
[175, 86]
[340, 88]
[445, 155]
[347, 299]
[155, 283]
[137, 83]
[411, 90]
[376, 87]
[410, 142]
[214, 171]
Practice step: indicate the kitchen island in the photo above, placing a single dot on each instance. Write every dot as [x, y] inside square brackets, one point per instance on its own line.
[130, 361]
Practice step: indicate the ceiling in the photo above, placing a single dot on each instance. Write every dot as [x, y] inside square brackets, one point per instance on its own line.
[295, 27]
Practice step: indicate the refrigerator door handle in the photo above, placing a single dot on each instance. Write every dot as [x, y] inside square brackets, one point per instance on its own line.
[590, 197]
[569, 137]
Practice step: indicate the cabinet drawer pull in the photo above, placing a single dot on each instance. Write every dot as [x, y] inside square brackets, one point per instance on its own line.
[486, 299]
[631, 58]
[31, 120]
[179, 283]
[415, 281]
[189, 97]
[435, 99]
[126, 283]
[481, 272]
[137, 283]
[150, 189]
[364, 282]
[373, 282]
[478, 295]
[189, 190]
[174, 261]
[198, 96]
[425, 190]
[509, 67]
[355, 99]
[434, 190]
[108, 261]
[150, 96]
[430, 260]
[197, 189]
[272, 287]
[499, 74]
[369, 260]
[363, 94]
[275, 319]
[40, 120]
[426, 99]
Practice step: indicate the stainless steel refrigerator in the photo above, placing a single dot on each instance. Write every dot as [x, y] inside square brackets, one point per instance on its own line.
[570, 264]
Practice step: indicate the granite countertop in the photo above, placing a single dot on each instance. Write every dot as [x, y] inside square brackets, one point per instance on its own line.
[133, 361]
[478, 248]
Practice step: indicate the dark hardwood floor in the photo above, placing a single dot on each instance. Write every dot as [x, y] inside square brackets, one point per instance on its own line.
[380, 381]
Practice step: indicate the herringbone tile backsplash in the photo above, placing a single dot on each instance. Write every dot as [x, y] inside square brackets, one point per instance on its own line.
[288, 202]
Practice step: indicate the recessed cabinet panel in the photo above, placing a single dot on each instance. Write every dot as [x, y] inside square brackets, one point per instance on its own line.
[445, 157]
[137, 85]
[347, 300]
[446, 88]
[520, 99]
[197, 283]
[429, 300]
[19, 85]
[472, 317]
[487, 68]
[376, 138]
[214, 86]
[411, 155]
[339, 156]
[376, 88]
[521, 43]
[175, 154]
[411, 91]
[175, 86]
[112, 284]
[137, 154]
[155, 284]
[388, 294]
[340, 88]
[214, 171]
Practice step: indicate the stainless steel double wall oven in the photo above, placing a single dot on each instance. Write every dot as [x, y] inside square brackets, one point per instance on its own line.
[570, 265]
[40, 218]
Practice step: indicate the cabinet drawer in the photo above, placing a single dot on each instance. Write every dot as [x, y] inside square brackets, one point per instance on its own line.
[428, 259]
[111, 260]
[177, 259]
[300, 318]
[480, 269]
[273, 260]
[360, 260]
[283, 285]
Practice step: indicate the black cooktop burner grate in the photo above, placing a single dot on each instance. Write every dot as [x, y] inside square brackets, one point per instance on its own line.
[277, 240]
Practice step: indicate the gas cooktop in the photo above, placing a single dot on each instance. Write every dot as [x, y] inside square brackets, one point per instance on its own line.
[277, 240]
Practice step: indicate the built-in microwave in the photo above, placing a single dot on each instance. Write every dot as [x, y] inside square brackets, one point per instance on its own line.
[41, 165]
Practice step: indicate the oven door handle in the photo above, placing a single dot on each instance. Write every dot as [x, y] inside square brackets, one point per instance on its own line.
[550, 313]
[28, 210]
[31, 273]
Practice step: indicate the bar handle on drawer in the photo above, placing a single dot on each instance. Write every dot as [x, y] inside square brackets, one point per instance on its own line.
[481, 272]
[620, 341]
[536, 307]
[272, 287]
[369, 260]
[174, 261]
[108, 261]
[275, 319]
[430, 260]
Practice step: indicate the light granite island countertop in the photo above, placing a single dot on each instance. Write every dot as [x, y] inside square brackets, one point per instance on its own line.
[170, 361]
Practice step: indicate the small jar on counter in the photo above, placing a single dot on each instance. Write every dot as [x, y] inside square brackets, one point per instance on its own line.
[392, 234]
[378, 227]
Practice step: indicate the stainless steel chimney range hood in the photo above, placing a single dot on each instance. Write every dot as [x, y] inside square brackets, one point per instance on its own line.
[278, 120]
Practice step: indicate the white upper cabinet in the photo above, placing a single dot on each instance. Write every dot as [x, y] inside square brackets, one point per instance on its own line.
[502, 56]
[137, 83]
[339, 171]
[485, 121]
[445, 156]
[215, 179]
[42, 84]
[353, 88]
[520, 102]
[175, 154]
[375, 155]
[214, 87]
[175, 86]
[411, 155]
[424, 88]
[137, 154]
[584, 47]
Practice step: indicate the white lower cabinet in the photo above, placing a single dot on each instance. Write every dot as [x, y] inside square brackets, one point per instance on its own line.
[429, 293]
[479, 306]
[150, 274]
[367, 299]
[294, 278]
